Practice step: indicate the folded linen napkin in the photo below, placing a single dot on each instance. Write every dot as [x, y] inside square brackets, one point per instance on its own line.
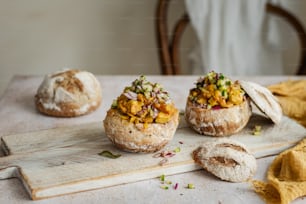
[286, 177]
[292, 98]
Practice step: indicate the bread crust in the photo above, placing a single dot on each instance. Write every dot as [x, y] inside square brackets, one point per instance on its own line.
[67, 109]
[264, 100]
[68, 93]
[226, 159]
[218, 122]
[132, 137]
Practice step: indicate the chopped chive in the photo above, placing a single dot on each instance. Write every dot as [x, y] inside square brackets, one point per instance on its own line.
[165, 187]
[256, 133]
[190, 186]
[257, 130]
[177, 149]
[169, 182]
[162, 177]
[228, 83]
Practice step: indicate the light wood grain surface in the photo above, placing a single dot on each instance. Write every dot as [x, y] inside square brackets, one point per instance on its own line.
[66, 149]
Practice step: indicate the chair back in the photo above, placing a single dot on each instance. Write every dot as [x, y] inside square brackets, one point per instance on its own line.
[168, 47]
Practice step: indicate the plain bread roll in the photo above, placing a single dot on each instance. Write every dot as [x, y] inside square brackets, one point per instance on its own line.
[68, 93]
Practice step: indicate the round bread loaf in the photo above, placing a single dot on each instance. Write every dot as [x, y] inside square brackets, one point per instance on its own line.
[68, 93]
[218, 122]
[133, 137]
[142, 119]
[216, 106]
[227, 159]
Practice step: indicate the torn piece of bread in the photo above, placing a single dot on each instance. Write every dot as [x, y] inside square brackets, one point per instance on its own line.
[226, 159]
[68, 93]
[263, 99]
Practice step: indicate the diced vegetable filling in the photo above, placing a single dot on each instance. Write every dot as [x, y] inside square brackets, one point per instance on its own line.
[216, 91]
[144, 102]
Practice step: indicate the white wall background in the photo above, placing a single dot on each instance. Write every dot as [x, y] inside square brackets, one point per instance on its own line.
[101, 36]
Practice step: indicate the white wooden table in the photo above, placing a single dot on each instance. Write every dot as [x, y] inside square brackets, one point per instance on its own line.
[18, 115]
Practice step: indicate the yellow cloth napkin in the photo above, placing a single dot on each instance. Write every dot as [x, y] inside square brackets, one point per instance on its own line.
[286, 177]
[292, 98]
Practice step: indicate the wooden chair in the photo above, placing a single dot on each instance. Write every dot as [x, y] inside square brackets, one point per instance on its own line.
[169, 48]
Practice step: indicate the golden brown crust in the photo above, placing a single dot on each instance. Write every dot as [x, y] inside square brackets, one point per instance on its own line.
[218, 122]
[135, 137]
[68, 93]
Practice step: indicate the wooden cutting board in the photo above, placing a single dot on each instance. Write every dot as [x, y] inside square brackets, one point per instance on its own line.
[65, 160]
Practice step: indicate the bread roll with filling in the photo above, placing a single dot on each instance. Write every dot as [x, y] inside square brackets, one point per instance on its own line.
[217, 106]
[142, 119]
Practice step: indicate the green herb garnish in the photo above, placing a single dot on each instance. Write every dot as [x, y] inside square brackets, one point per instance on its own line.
[177, 149]
[165, 187]
[162, 177]
[190, 186]
[257, 130]
[110, 155]
[168, 182]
